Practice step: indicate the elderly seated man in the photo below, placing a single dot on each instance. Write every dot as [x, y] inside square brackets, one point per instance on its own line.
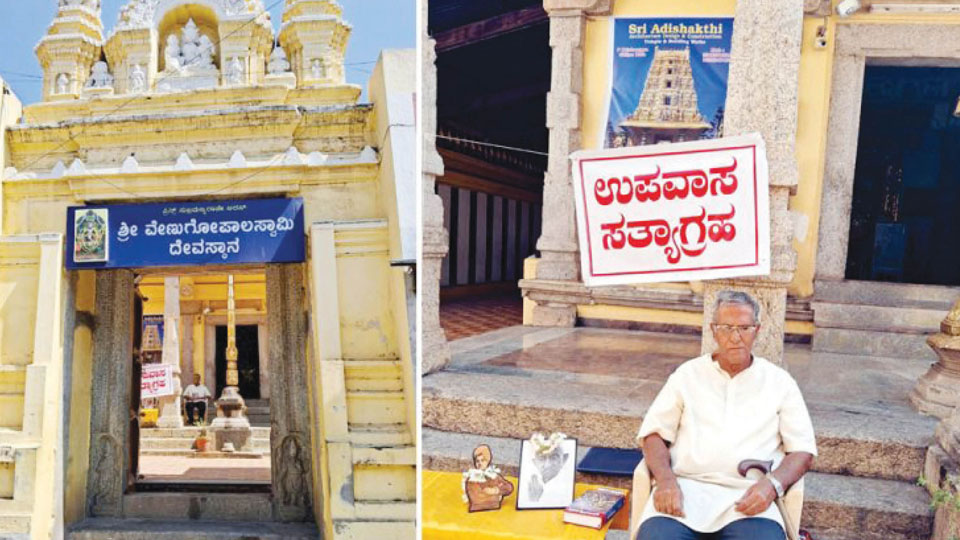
[714, 412]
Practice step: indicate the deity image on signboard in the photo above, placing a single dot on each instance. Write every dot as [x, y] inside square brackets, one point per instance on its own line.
[669, 80]
[91, 233]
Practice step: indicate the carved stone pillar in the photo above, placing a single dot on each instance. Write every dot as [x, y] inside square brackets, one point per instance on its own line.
[558, 243]
[170, 416]
[762, 96]
[436, 351]
[291, 444]
[110, 405]
[938, 390]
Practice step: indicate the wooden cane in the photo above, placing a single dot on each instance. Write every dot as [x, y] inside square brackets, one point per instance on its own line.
[765, 467]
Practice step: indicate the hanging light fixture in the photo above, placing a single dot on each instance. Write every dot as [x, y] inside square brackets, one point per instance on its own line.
[956, 109]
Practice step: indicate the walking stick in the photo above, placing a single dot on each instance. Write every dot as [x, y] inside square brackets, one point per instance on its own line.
[764, 467]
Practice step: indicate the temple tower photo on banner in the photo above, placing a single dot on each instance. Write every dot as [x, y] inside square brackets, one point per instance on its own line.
[668, 80]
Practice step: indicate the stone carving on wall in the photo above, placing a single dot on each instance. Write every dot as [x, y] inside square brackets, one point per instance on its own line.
[189, 61]
[100, 76]
[194, 52]
[294, 481]
[317, 69]
[141, 13]
[278, 62]
[63, 83]
[235, 71]
[138, 79]
[107, 471]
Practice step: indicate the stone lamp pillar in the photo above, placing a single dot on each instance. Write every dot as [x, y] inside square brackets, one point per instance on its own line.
[231, 426]
[170, 405]
[938, 391]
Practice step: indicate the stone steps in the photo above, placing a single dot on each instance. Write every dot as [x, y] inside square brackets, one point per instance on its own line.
[258, 412]
[199, 506]
[193, 432]
[887, 443]
[139, 529]
[880, 319]
[380, 435]
[256, 444]
[877, 509]
[877, 293]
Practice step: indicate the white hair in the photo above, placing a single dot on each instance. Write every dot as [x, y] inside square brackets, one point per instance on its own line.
[737, 298]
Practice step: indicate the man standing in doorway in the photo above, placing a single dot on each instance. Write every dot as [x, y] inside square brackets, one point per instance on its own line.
[195, 399]
[714, 412]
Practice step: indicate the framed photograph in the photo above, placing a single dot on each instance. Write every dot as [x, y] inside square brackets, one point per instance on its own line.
[547, 475]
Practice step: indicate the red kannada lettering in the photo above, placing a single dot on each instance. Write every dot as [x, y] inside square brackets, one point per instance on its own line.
[688, 238]
[676, 185]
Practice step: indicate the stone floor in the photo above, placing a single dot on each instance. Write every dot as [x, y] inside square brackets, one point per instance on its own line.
[467, 317]
[180, 469]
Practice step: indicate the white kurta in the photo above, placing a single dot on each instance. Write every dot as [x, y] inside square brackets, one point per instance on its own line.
[714, 422]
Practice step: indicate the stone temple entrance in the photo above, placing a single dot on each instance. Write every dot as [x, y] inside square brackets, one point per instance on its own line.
[127, 477]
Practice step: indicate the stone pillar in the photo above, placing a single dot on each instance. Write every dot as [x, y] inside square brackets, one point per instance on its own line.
[938, 390]
[762, 96]
[170, 416]
[110, 405]
[436, 351]
[558, 244]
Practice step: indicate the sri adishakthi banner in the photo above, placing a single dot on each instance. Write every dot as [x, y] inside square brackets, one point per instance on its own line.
[668, 80]
[673, 212]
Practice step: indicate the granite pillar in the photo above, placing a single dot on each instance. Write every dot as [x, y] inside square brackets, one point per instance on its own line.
[762, 97]
[170, 416]
[110, 406]
[435, 243]
[291, 439]
[938, 391]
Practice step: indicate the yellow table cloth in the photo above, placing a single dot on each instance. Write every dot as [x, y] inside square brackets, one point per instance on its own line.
[445, 515]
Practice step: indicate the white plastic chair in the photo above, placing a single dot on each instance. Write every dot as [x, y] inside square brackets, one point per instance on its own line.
[642, 487]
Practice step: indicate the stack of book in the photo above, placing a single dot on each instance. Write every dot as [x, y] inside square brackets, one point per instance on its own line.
[594, 508]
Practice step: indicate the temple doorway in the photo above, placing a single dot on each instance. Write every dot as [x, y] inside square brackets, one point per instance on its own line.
[202, 343]
[248, 359]
[907, 179]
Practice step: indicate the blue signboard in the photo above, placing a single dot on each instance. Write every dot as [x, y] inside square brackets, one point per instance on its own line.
[668, 80]
[185, 234]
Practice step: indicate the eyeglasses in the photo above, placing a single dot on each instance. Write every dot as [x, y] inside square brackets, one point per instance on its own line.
[730, 328]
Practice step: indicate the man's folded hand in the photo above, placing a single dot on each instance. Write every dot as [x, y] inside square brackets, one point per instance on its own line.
[757, 498]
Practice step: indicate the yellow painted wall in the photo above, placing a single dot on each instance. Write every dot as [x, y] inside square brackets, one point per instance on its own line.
[366, 319]
[18, 305]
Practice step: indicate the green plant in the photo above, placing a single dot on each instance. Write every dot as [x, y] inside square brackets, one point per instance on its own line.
[948, 495]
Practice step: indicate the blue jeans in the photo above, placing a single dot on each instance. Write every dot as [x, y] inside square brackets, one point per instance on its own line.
[664, 528]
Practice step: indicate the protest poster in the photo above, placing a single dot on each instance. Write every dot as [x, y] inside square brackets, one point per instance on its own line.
[156, 380]
[673, 212]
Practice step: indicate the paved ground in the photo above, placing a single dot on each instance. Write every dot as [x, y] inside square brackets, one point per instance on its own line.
[471, 316]
[187, 469]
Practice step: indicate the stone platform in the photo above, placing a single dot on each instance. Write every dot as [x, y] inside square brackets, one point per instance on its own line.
[179, 442]
[595, 385]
